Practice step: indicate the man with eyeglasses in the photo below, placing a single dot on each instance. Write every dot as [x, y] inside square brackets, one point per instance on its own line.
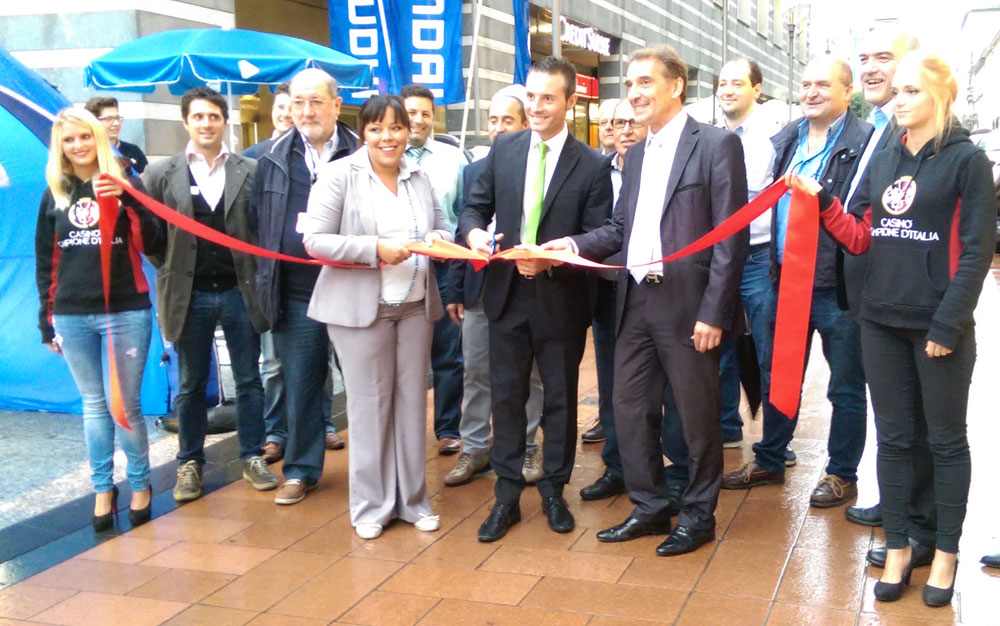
[105, 109]
[626, 132]
[285, 174]
[605, 132]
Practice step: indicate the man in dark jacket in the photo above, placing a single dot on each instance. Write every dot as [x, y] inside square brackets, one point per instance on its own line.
[201, 285]
[824, 144]
[285, 174]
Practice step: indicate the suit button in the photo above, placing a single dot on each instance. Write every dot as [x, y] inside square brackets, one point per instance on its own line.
[190, 274]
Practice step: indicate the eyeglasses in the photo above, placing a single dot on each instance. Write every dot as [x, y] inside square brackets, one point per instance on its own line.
[111, 119]
[314, 103]
[605, 122]
[619, 124]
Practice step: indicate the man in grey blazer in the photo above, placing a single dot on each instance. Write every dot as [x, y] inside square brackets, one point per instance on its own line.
[201, 285]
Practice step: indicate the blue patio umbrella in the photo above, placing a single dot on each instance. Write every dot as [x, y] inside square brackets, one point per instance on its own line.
[239, 59]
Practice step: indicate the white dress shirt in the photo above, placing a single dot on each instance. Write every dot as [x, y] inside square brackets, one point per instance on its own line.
[758, 157]
[400, 217]
[313, 157]
[616, 179]
[555, 146]
[880, 118]
[210, 178]
[644, 244]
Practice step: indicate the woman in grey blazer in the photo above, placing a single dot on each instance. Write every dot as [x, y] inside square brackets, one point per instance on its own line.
[380, 317]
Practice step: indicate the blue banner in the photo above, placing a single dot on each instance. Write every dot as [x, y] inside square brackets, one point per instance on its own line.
[405, 41]
[522, 52]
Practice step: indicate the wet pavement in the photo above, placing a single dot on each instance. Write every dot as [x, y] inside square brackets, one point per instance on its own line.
[234, 557]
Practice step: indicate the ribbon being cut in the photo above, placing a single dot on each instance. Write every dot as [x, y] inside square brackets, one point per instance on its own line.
[794, 293]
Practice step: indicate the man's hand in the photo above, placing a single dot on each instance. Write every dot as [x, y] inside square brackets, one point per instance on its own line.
[392, 252]
[54, 347]
[480, 241]
[530, 267]
[563, 243]
[456, 312]
[706, 337]
[936, 350]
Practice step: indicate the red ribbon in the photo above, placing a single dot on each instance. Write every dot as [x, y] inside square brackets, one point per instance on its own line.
[794, 293]
[108, 217]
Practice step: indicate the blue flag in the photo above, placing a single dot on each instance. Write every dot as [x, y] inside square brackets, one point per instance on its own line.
[405, 41]
[522, 53]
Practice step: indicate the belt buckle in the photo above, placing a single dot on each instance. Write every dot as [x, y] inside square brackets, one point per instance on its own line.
[653, 279]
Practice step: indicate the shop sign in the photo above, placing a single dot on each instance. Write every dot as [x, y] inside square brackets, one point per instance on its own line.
[586, 86]
[584, 37]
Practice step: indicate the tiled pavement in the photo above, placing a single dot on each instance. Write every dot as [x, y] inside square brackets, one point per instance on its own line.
[236, 558]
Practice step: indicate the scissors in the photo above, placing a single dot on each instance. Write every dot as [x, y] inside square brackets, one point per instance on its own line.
[493, 243]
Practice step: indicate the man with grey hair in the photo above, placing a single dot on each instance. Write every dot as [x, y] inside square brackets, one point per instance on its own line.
[605, 131]
[285, 174]
[465, 308]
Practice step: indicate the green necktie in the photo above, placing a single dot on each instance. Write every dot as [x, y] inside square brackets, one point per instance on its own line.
[538, 197]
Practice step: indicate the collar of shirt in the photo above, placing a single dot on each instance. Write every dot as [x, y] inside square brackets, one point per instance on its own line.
[831, 133]
[670, 134]
[555, 144]
[614, 162]
[194, 157]
[405, 166]
[313, 158]
[886, 109]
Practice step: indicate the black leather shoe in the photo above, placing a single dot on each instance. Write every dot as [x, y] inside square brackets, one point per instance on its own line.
[499, 521]
[633, 528]
[685, 539]
[991, 560]
[604, 487]
[594, 435]
[560, 519]
[922, 555]
[870, 516]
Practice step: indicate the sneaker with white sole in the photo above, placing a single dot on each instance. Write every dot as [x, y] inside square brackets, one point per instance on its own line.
[531, 469]
[256, 473]
[428, 523]
[368, 531]
[188, 486]
[294, 490]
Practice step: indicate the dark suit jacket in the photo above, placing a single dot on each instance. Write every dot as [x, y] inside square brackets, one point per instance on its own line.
[576, 201]
[464, 283]
[168, 182]
[707, 184]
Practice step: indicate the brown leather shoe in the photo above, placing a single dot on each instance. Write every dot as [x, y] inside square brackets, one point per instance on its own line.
[751, 475]
[294, 490]
[833, 491]
[273, 452]
[448, 447]
[333, 441]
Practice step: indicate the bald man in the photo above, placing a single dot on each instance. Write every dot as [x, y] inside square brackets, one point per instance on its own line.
[824, 144]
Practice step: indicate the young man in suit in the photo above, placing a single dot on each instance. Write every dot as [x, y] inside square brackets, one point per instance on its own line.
[540, 184]
[201, 284]
[681, 182]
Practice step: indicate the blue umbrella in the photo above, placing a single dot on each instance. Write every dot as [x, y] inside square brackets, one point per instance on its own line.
[242, 59]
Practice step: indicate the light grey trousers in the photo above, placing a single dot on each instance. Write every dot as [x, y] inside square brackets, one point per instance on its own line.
[475, 425]
[385, 375]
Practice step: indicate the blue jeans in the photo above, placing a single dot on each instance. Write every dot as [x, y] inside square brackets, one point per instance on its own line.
[273, 379]
[846, 391]
[448, 368]
[84, 338]
[604, 355]
[206, 310]
[754, 288]
[303, 347]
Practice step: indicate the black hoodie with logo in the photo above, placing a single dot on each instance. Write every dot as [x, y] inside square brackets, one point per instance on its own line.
[927, 221]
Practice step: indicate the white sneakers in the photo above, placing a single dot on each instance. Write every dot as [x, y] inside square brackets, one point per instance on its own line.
[427, 524]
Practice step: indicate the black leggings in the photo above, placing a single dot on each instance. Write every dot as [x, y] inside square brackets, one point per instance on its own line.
[903, 379]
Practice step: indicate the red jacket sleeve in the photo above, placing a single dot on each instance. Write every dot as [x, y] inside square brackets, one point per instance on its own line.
[854, 234]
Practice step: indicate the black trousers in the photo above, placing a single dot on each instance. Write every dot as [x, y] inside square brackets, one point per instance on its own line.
[906, 383]
[515, 341]
[647, 356]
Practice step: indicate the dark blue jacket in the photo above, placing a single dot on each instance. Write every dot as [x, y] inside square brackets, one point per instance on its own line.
[268, 205]
[464, 283]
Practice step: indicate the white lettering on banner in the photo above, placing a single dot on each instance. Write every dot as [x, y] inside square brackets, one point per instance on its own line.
[364, 41]
[435, 27]
[352, 12]
[431, 72]
[435, 8]
[584, 37]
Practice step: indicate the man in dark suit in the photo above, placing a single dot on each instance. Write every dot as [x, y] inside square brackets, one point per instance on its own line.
[540, 184]
[201, 285]
[685, 179]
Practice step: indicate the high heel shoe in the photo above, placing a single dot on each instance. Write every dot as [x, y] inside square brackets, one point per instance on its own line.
[936, 596]
[104, 522]
[138, 517]
[890, 592]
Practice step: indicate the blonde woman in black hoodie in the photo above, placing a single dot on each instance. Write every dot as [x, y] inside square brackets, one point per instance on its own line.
[924, 211]
[73, 318]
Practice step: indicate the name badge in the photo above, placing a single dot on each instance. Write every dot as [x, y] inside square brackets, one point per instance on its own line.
[194, 190]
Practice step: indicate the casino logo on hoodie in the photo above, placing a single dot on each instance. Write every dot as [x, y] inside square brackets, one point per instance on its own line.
[898, 197]
[85, 213]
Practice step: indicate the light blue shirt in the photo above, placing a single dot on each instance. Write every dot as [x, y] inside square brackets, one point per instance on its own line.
[444, 165]
[805, 164]
[758, 157]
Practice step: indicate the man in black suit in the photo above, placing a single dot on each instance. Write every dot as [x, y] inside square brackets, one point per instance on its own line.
[540, 184]
[685, 179]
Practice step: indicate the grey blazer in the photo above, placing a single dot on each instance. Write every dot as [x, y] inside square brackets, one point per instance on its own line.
[168, 182]
[339, 225]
